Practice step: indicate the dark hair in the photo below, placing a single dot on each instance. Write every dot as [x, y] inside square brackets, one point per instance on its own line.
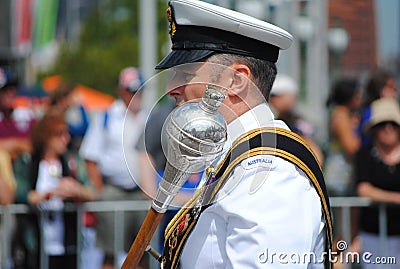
[342, 92]
[375, 85]
[263, 72]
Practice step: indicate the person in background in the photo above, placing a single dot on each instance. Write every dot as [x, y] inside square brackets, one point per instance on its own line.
[15, 124]
[343, 103]
[283, 102]
[377, 172]
[8, 183]
[284, 94]
[151, 158]
[64, 100]
[382, 84]
[108, 149]
[52, 185]
[15, 144]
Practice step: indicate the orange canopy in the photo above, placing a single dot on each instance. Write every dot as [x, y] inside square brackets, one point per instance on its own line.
[90, 98]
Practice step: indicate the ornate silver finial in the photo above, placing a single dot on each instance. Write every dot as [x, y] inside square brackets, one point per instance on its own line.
[212, 98]
[195, 133]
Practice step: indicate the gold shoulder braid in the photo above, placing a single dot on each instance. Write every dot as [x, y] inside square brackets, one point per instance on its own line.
[271, 141]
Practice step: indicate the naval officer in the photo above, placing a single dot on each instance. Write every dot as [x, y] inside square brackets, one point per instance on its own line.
[267, 205]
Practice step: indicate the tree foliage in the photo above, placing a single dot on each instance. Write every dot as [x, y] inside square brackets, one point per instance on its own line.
[108, 42]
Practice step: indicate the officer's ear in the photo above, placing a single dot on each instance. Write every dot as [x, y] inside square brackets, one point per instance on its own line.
[240, 79]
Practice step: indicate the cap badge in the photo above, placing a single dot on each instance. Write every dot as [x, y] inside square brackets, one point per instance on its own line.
[172, 26]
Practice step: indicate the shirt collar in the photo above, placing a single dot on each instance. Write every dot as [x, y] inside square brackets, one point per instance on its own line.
[259, 116]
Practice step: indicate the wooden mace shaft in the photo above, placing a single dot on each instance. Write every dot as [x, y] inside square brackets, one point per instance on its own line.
[142, 240]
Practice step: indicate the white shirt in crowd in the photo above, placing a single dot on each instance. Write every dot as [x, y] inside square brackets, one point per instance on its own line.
[111, 143]
[52, 222]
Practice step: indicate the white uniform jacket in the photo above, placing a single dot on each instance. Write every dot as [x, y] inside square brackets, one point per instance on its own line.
[267, 215]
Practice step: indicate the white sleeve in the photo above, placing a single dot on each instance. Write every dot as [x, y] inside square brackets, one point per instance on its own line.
[92, 144]
[319, 249]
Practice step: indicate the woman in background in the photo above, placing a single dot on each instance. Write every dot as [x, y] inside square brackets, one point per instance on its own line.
[52, 186]
[344, 101]
[382, 84]
[377, 170]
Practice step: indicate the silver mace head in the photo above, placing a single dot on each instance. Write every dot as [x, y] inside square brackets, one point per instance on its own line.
[194, 135]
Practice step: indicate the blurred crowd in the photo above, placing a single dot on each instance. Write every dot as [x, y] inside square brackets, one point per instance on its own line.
[66, 155]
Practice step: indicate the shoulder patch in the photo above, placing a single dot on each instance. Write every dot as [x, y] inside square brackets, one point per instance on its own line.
[265, 161]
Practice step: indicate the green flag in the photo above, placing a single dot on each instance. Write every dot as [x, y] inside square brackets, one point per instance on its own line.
[46, 12]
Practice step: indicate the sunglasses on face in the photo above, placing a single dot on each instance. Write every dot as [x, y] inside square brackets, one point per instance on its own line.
[60, 133]
[384, 124]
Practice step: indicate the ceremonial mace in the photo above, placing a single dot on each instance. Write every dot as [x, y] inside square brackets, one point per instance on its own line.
[194, 133]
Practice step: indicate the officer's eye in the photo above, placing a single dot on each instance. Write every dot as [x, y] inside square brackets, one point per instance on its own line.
[184, 76]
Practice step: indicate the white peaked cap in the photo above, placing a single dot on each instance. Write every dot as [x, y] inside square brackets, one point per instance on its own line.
[199, 29]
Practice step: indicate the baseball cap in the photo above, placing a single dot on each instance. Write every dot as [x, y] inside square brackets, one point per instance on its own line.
[199, 29]
[7, 79]
[284, 84]
[130, 79]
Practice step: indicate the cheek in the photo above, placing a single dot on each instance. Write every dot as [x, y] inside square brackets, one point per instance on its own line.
[292, 101]
[394, 135]
[194, 91]
[59, 144]
[387, 136]
[62, 147]
[287, 102]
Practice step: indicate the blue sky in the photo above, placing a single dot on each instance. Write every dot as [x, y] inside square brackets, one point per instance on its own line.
[388, 25]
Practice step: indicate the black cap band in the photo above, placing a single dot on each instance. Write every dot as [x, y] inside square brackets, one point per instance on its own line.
[206, 38]
[197, 42]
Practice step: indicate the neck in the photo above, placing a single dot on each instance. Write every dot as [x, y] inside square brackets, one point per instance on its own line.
[50, 156]
[234, 106]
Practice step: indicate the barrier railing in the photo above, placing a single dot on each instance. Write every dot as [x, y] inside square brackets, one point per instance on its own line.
[7, 213]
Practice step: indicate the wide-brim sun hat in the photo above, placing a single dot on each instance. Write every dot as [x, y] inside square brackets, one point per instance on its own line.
[383, 110]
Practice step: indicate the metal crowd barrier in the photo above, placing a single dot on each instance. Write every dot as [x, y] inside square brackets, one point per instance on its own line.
[119, 208]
